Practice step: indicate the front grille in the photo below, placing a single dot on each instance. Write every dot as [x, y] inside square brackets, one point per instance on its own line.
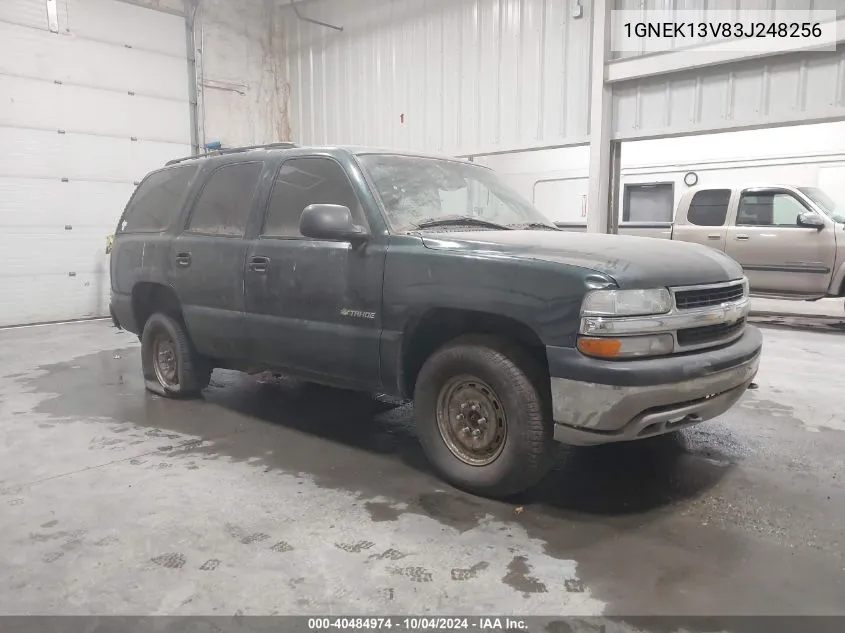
[708, 333]
[689, 299]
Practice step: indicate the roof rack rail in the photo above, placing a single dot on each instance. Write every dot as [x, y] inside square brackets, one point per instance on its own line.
[233, 150]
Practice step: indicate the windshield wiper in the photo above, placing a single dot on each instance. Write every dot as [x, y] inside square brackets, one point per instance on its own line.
[457, 221]
[534, 225]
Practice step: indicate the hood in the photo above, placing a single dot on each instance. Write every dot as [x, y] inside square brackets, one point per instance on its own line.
[633, 262]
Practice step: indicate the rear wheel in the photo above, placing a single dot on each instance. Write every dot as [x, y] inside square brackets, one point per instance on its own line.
[483, 417]
[172, 367]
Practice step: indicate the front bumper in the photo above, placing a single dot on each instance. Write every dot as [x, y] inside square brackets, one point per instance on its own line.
[598, 402]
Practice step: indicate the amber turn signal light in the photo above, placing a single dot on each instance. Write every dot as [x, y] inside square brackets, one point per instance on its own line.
[601, 347]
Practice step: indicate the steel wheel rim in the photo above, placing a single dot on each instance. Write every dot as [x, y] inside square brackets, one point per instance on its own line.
[471, 420]
[165, 362]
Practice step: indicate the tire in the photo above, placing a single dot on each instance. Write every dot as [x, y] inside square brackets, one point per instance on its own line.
[192, 372]
[518, 387]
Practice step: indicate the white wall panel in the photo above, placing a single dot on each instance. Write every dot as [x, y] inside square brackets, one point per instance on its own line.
[176, 7]
[452, 76]
[72, 103]
[127, 25]
[43, 154]
[51, 205]
[59, 297]
[32, 13]
[69, 253]
[562, 199]
[556, 179]
[792, 88]
[31, 53]
[38, 104]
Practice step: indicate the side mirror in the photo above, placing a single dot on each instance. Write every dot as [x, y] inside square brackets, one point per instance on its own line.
[811, 220]
[331, 222]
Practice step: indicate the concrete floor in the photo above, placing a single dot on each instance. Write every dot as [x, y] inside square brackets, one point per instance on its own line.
[270, 498]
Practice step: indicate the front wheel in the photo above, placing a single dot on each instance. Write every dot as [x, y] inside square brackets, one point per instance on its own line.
[482, 416]
[172, 367]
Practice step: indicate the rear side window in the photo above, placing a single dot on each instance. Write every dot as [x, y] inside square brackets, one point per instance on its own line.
[709, 208]
[157, 200]
[223, 206]
[302, 182]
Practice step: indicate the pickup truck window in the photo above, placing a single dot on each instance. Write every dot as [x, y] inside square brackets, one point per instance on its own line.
[834, 209]
[709, 207]
[157, 200]
[769, 209]
[302, 182]
[417, 189]
[223, 206]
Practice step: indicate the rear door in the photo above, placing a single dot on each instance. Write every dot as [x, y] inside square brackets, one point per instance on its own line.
[777, 254]
[314, 306]
[706, 219]
[207, 259]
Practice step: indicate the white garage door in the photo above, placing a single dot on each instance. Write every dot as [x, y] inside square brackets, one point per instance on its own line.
[93, 95]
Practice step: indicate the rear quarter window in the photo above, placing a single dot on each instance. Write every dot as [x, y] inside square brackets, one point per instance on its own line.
[709, 207]
[157, 200]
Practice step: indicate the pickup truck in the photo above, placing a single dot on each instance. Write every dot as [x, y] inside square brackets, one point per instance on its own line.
[427, 278]
[789, 240]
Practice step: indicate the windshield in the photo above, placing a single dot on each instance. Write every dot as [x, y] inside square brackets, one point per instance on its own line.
[834, 209]
[417, 190]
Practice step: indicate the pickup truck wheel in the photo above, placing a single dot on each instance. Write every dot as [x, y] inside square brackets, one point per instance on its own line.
[172, 367]
[481, 416]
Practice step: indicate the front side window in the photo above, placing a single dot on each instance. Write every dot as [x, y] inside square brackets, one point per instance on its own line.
[416, 190]
[769, 209]
[157, 200]
[224, 204]
[302, 182]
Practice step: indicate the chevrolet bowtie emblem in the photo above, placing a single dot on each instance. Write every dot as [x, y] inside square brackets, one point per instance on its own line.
[731, 312]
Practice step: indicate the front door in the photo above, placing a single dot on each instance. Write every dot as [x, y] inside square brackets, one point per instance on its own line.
[207, 260]
[778, 255]
[314, 306]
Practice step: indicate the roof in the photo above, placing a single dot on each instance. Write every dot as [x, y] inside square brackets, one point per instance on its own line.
[232, 150]
[352, 149]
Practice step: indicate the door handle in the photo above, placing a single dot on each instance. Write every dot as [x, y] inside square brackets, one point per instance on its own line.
[742, 237]
[714, 236]
[183, 259]
[259, 264]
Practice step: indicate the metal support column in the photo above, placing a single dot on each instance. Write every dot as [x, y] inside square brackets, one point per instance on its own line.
[600, 195]
[614, 181]
[194, 81]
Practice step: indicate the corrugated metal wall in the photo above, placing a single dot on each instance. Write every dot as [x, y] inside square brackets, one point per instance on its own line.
[452, 76]
[793, 88]
[786, 89]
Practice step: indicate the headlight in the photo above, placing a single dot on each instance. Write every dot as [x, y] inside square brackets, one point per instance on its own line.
[626, 302]
[746, 287]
